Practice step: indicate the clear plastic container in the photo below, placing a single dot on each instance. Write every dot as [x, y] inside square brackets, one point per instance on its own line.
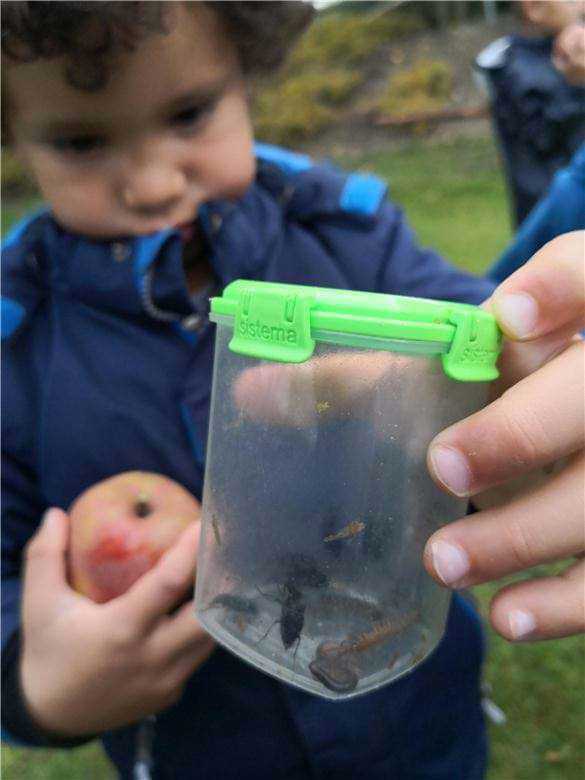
[317, 501]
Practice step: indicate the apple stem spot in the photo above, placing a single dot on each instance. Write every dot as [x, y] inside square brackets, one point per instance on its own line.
[142, 507]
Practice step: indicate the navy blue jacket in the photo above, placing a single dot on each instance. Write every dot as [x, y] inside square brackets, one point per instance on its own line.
[103, 373]
[539, 117]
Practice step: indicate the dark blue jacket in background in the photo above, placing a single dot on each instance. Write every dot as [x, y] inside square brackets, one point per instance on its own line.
[103, 373]
[539, 117]
[561, 210]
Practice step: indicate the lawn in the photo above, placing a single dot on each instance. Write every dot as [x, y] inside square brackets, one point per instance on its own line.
[452, 193]
[454, 196]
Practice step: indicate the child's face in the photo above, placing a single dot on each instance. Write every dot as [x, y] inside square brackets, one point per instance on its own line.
[552, 16]
[170, 130]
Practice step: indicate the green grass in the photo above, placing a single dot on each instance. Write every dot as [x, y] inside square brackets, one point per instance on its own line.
[454, 197]
[541, 688]
[12, 212]
[84, 763]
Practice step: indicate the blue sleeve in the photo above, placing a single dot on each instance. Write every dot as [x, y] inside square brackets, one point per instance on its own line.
[561, 210]
[22, 507]
[355, 237]
[379, 252]
[22, 504]
[409, 269]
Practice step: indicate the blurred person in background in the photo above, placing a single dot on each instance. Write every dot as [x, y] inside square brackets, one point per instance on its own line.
[562, 208]
[537, 96]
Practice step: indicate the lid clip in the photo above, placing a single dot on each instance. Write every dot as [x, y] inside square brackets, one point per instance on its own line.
[274, 325]
[472, 356]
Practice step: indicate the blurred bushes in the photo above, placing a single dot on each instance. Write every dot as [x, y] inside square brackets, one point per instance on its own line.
[302, 105]
[426, 86]
[351, 39]
[323, 72]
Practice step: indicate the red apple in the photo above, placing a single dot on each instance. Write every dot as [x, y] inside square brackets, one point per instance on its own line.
[121, 526]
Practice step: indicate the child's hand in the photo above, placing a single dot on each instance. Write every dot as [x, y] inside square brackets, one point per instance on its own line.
[90, 667]
[537, 420]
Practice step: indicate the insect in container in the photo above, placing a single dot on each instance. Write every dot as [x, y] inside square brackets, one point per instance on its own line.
[347, 532]
[292, 614]
[333, 665]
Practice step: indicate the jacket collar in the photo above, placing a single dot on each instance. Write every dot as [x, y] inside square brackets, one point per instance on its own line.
[144, 275]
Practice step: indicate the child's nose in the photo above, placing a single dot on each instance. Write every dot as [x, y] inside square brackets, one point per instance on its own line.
[153, 190]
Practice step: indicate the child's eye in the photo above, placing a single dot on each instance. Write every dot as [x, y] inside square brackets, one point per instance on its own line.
[79, 144]
[189, 117]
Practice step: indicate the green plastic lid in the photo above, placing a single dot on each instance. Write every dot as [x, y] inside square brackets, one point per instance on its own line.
[282, 322]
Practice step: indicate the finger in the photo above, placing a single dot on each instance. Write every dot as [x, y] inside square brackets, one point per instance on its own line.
[535, 422]
[514, 537]
[543, 608]
[520, 359]
[161, 588]
[181, 632]
[45, 577]
[546, 294]
[560, 57]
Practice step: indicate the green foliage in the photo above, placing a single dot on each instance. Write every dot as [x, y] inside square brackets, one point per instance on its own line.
[349, 39]
[306, 96]
[425, 86]
[302, 105]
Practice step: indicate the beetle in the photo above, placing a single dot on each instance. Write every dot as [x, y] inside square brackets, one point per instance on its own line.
[292, 613]
[292, 616]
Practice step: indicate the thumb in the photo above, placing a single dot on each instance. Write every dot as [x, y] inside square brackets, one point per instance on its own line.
[45, 577]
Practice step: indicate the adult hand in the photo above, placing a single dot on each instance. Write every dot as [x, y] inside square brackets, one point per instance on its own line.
[90, 667]
[536, 420]
[569, 54]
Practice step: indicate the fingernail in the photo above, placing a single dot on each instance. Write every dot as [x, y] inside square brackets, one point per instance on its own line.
[517, 313]
[521, 623]
[50, 518]
[449, 561]
[451, 468]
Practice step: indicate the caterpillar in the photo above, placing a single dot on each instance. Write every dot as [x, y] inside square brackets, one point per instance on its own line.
[380, 631]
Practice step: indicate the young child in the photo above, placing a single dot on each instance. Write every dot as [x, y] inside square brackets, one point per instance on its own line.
[134, 119]
[538, 112]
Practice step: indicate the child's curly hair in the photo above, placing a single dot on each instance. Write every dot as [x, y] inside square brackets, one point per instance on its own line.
[87, 32]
